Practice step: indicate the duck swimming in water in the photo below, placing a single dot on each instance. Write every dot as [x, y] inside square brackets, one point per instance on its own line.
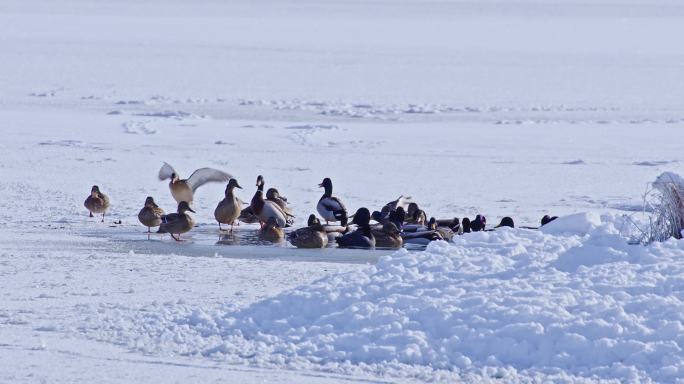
[312, 236]
[229, 209]
[184, 189]
[177, 223]
[388, 236]
[150, 215]
[330, 207]
[362, 237]
[272, 231]
[97, 202]
[266, 209]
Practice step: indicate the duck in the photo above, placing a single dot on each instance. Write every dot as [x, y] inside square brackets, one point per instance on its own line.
[184, 189]
[388, 236]
[177, 223]
[311, 236]
[97, 202]
[230, 208]
[506, 222]
[273, 195]
[547, 219]
[272, 231]
[423, 235]
[266, 209]
[444, 231]
[392, 206]
[465, 225]
[150, 215]
[479, 223]
[330, 207]
[362, 237]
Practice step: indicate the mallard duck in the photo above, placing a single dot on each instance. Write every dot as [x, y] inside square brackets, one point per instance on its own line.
[97, 202]
[465, 225]
[330, 207]
[229, 209]
[392, 206]
[273, 195]
[506, 222]
[444, 231]
[177, 223]
[312, 236]
[271, 231]
[478, 224]
[184, 189]
[150, 215]
[266, 209]
[547, 219]
[388, 236]
[362, 237]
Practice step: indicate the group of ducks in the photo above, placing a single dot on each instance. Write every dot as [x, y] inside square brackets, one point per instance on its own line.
[398, 222]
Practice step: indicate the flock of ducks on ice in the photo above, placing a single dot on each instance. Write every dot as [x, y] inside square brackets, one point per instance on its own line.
[398, 222]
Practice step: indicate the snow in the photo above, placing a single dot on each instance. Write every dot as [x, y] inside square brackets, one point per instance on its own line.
[499, 107]
[584, 305]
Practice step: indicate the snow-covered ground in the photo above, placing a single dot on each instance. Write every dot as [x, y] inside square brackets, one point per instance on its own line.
[496, 107]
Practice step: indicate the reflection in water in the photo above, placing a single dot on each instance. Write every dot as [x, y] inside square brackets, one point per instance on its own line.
[244, 238]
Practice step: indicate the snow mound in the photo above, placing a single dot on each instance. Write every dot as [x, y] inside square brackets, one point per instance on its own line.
[515, 303]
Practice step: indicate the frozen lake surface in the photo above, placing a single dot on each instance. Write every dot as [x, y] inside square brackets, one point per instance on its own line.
[501, 107]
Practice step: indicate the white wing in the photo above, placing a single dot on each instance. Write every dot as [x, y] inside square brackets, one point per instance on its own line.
[207, 175]
[166, 171]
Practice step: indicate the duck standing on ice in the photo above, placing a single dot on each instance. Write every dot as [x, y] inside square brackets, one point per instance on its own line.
[229, 209]
[177, 223]
[150, 215]
[97, 202]
[330, 207]
[266, 209]
[184, 189]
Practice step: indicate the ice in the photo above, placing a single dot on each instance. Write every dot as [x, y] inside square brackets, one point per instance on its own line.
[501, 107]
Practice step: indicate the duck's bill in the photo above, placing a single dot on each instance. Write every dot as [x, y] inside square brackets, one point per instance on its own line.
[191, 210]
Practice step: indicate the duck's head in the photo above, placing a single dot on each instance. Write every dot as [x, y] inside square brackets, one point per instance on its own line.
[272, 193]
[378, 216]
[362, 217]
[327, 184]
[174, 177]
[506, 222]
[183, 207]
[233, 183]
[94, 190]
[432, 224]
[149, 201]
[260, 183]
[313, 220]
[412, 208]
[465, 223]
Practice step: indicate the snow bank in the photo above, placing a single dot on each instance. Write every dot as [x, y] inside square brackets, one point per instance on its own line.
[510, 304]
